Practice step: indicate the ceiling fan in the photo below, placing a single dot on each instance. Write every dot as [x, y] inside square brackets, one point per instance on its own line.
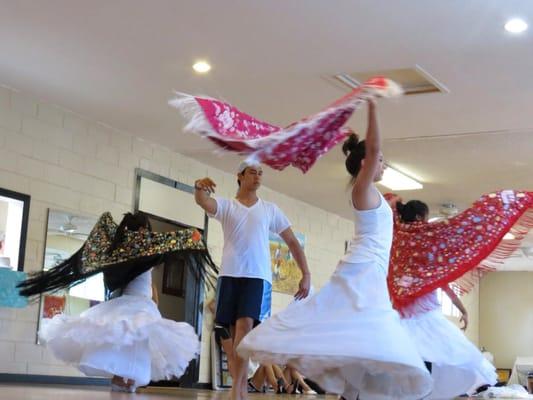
[69, 229]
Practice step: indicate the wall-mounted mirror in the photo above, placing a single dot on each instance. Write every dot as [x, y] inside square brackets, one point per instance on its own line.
[170, 205]
[65, 234]
[14, 211]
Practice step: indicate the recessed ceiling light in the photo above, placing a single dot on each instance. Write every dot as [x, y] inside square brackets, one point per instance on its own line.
[515, 25]
[201, 67]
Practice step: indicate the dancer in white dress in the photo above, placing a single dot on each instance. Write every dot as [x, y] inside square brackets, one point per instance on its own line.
[347, 337]
[124, 338]
[456, 365]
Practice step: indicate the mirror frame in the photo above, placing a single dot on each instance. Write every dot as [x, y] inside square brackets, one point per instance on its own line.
[26, 199]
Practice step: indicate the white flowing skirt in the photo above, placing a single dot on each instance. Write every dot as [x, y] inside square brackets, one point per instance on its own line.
[346, 337]
[125, 336]
[458, 367]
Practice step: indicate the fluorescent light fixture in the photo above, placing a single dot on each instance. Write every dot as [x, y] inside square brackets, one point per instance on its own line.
[436, 219]
[515, 25]
[396, 180]
[201, 67]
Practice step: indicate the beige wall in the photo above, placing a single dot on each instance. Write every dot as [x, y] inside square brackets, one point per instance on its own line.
[506, 316]
[471, 303]
[67, 162]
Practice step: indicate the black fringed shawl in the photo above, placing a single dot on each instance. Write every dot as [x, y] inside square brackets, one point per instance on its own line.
[138, 252]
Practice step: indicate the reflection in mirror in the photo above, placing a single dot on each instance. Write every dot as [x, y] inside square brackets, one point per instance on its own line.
[170, 206]
[14, 210]
[65, 234]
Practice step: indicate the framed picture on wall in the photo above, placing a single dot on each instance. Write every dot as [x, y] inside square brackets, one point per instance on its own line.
[503, 374]
[285, 272]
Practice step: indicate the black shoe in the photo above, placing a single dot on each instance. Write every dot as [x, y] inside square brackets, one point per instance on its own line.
[281, 389]
[251, 387]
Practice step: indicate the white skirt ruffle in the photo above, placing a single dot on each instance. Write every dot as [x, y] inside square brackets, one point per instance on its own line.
[125, 336]
[458, 367]
[346, 337]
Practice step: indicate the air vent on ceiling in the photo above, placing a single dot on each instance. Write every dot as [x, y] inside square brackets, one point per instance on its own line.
[413, 80]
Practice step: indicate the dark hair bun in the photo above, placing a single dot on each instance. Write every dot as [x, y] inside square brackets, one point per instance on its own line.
[350, 144]
[413, 210]
[400, 206]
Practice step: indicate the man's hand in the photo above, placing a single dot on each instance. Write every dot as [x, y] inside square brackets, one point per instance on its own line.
[205, 184]
[202, 195]
[304, 287]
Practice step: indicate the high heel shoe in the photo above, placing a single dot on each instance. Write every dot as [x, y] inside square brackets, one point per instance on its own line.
[281, 388]
[289, 389]
[252, 387]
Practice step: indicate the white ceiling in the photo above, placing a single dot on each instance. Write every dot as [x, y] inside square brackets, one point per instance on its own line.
[118, 62]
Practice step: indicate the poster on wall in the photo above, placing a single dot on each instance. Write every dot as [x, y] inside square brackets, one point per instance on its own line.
[285, 272]
[9, 294]
[53, 305]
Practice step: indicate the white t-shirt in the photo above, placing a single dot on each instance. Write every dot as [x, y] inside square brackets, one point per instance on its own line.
[246, 250]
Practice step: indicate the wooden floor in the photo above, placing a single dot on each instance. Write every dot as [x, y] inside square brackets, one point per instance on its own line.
[58, 392]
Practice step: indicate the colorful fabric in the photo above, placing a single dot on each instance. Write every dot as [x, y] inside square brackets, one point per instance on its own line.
[426, 256]
[136, 244]
[299, 144]
[137, 253]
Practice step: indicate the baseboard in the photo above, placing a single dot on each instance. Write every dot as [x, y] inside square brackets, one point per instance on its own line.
[203, 386]
[53, 380]
[177, 385]
[80, 380]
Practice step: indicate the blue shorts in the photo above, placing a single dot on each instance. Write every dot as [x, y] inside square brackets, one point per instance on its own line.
[242, 298]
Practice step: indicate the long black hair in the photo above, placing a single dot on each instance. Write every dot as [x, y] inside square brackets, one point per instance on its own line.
[413, 210]
[130, 222]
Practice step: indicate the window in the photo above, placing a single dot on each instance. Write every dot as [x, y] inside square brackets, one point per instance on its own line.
[447, 306]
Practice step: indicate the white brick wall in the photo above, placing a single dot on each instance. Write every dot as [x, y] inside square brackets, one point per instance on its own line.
[67, 162]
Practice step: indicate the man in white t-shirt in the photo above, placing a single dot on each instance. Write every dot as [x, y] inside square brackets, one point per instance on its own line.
[244, 286]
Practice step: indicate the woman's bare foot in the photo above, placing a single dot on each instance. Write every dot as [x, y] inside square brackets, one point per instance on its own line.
[120, 384]
[235, 393]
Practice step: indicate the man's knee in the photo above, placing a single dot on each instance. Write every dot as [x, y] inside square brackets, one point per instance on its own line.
[244, 325]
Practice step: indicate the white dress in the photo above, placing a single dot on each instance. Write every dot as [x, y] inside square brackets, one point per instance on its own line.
[458, 367]
[347, 337]
[125, 336]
